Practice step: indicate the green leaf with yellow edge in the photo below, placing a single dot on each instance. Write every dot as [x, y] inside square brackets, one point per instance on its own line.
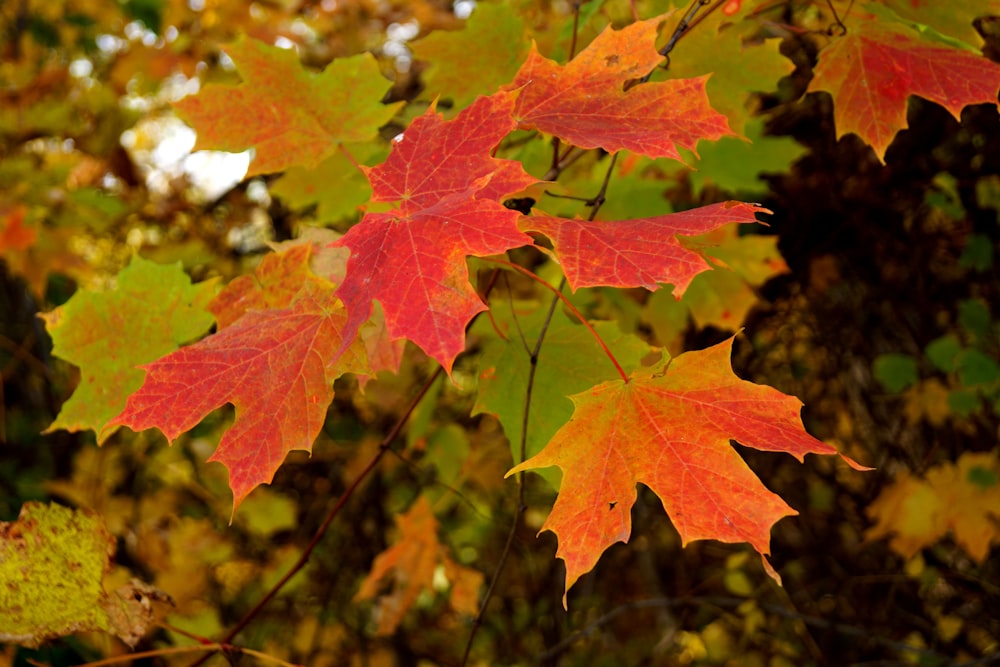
[962, 498]
[335, 185]
[736, 165]
[151, 311]
[288, 115]
[570, 361]
[477, 60]
[52, 563]
[753, 257]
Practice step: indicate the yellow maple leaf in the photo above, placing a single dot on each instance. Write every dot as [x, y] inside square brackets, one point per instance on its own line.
[961, 497]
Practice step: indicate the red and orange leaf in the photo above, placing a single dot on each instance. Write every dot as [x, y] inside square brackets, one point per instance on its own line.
[289, 115]
[276, 366]
[14, 235]
[636, 253]
[669, 427]
[412, 259]
[873, 69]
[585, 102]
[274, 284]
[411, 564]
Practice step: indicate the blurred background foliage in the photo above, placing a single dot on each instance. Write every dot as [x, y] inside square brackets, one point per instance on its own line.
[874, 306]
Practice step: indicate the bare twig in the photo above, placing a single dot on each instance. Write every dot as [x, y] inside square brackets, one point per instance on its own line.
[334, 511]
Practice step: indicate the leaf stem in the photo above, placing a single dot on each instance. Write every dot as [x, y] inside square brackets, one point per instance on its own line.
[334, 511]
[570, 306]
[685, 25]
[226, 648]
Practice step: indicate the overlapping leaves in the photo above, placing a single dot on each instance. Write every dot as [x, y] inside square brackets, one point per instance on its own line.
[287, 333]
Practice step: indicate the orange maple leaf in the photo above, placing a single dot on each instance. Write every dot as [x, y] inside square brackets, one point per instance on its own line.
[13, 234]
[586, 104]
[873, 69]
[411, 564]
[669, 427]
[289, 115]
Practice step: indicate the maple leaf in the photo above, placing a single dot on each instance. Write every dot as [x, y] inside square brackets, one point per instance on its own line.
[153, 307]
[636, 253]
[724, 296]
[669, 427]
[738, 165]
[330, 262]
[412, 258]
[492, 44]
[568, 365]
[585, 102]
[873, 69]
[52, 562]
[730, 49]
[411, 563]
[336, 186]
[275, 365]
[953, 19]
[961, 497]
[287, 114]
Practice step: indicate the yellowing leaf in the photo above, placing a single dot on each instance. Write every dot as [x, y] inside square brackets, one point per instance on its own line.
[52, 561]
[961, 497]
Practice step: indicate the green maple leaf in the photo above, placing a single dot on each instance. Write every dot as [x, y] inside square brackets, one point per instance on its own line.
[570, 362]
[492, 46]
[336, 186]
[151, 311]
[737, 165]
[716, 47]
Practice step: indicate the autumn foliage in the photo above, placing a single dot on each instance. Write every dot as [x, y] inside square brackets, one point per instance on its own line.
[454, 270]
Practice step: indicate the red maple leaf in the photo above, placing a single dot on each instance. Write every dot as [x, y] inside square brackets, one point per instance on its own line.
[669, 428]
[412, 258]
[586, 104]
[636, 253]
[873, 69]
[276, 365]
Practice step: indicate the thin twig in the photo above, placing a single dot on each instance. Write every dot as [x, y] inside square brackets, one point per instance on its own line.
[726, 602]
[836, 17]
[334, 511]
[225, 648]
[570, 306]
[683, 26]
